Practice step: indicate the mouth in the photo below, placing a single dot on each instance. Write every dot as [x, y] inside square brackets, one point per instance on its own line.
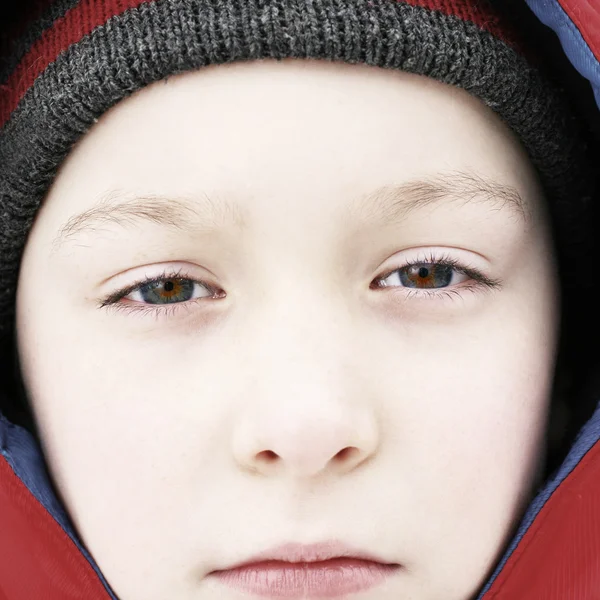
[327, 570]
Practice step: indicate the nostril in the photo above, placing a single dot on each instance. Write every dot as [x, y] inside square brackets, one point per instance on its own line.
[346, 453]
[268, 455]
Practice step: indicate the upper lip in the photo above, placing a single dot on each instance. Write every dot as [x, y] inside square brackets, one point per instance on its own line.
[294, 552]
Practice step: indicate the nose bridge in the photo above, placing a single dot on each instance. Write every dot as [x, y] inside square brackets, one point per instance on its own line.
[303, 330]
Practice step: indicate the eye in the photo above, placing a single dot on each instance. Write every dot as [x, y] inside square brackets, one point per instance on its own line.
[435, 276]
[426, 275]
[160, 295]
[167, 291]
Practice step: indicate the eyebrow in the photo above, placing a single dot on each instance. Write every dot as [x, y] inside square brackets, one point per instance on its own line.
[124, 209]
[392, 204]
[387, 205]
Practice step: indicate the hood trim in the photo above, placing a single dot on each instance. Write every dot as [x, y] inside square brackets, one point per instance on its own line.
[582, 459]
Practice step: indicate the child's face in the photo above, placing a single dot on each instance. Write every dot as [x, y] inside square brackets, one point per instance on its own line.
[295, 387]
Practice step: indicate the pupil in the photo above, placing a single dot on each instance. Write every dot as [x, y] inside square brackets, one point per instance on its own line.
[169, 286]
[423, 272]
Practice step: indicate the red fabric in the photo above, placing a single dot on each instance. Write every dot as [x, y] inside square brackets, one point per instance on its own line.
[559, 556]
[38, 560]
[586, 16]
[89, 14]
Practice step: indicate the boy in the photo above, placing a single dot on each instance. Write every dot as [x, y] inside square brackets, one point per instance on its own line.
[290, 328]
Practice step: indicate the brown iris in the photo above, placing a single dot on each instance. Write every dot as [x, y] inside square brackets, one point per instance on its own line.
[426, 275]
[167, 291]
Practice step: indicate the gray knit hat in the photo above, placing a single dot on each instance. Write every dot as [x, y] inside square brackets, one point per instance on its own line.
[75, 59]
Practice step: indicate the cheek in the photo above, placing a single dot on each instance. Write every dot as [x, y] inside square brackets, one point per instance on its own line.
[471, 436]
[477, 413]
[486, 428]
[109, 408]
[485, 389]
[127, 444]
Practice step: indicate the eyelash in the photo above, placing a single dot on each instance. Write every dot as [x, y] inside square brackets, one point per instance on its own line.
[481, 283]
[112, 302]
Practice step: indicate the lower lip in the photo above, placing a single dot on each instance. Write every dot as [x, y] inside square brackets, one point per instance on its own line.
[324, 579]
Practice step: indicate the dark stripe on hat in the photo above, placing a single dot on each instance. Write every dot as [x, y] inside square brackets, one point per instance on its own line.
[69, 29]
[20, 43]
[85, 16]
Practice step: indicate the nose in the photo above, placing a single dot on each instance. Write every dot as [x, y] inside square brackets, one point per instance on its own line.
[305, 439]
[308, 410]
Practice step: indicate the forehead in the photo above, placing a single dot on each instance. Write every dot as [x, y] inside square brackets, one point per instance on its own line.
[295, 133]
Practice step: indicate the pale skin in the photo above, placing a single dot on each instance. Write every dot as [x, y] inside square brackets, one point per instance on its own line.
[302, 390]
